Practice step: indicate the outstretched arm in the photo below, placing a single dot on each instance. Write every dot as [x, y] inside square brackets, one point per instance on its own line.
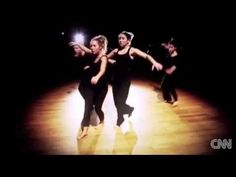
[83, 47]
[144, 55]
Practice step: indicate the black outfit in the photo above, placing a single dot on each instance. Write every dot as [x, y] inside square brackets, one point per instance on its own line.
[81, 62]
[93, 95]
[120, 85]
[168, 81]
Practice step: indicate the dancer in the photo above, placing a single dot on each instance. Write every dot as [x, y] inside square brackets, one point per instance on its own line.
[121, 57]
[93, 86]
[169, 67]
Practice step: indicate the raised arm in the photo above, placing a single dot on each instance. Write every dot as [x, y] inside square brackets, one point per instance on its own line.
[83, 47]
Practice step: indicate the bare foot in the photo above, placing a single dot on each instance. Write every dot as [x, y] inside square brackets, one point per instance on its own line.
[83, 133]
[175, 103]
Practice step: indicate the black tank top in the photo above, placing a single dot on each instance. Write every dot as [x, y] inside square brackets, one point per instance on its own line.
[122, 65]
[169, 61]
[93, 70]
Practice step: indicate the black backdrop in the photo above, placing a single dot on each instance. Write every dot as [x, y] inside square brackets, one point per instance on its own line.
[39, 57]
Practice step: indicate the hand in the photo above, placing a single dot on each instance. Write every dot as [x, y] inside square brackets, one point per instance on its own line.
[111, 61]
[169, 71]
[94, 80]
[158, 66]
[72, 43]
[153, 67]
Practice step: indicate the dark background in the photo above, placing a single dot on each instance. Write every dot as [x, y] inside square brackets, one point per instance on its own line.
[39, 57]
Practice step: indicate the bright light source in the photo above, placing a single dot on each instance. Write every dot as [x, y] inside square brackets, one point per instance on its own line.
[79, 37]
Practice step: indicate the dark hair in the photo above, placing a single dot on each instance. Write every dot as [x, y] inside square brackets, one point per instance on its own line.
[129, 35]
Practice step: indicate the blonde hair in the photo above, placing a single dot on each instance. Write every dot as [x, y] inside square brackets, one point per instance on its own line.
[102, 41]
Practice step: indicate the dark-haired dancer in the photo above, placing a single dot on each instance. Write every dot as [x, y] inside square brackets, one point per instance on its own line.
[170, 66]
[122, 57]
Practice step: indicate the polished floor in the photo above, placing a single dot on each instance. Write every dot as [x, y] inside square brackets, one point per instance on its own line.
[53, 122]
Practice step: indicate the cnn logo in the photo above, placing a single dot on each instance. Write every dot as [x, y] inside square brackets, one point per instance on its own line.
[221, 144]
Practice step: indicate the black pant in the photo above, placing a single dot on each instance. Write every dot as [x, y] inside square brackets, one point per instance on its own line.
[94, 96]
[120, 91]
[168, 88]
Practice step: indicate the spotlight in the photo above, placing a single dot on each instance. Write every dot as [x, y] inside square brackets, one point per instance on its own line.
[79, 37]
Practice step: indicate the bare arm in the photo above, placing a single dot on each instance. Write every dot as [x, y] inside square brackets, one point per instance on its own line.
[111, 61]
[111, 55]
[144, 55]
[101, 72]
[79, 54]
[83, 47]
[102, 67]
